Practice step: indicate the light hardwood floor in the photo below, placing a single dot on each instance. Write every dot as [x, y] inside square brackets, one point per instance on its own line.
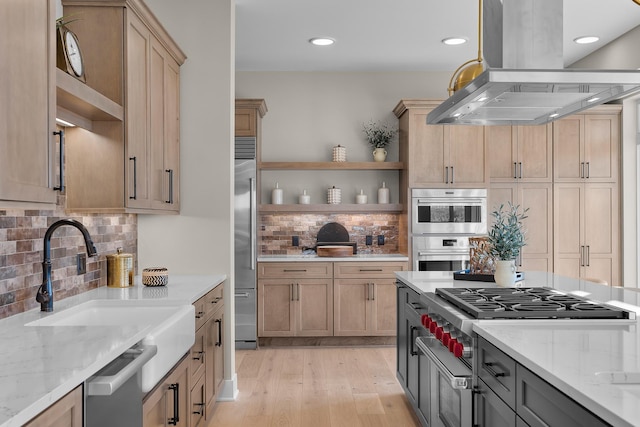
[312, 386]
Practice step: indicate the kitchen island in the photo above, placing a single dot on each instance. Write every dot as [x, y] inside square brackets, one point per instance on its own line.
[595, 363]
[40, 364]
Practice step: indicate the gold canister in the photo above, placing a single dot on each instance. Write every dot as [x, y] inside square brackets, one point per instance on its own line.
[119, 270]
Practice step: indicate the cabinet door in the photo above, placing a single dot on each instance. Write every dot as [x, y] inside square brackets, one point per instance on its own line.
[537, 254]
[314, 307]
[568, 138]
[467, 156]
[137, 112]
[535, 146]
[171, 179]
[276, 316]
[402, 334]
[383, 307]
[351, 307]
[198, 353]
[197, 404]
[502, 152]
[214, 369]
[491, 411]
[170, 399]
[66, 412]
[569, 225]
[246, 122]
[28, 101]
[427, 147]
[601, 233]
[601, 145]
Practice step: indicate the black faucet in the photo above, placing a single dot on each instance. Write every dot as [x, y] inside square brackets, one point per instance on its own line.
[45, 292]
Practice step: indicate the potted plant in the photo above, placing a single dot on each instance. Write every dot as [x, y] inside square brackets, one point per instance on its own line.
[379, 135]
[507, 237]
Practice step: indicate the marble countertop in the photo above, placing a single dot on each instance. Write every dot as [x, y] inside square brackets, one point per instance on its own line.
[582, 358]
[39, 365]
[314, 257]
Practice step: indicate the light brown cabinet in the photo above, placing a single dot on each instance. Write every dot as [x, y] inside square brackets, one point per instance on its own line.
[586, 242]
[66, 412]
[27, 84]
[537, 254]
[586, 147]
[299, 302]
[436, 155]
[132, 61]
[168, 403]
[520, 153]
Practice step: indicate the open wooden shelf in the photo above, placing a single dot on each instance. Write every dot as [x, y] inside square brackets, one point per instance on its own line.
[77, 100]
[327, 208]
[331, 165]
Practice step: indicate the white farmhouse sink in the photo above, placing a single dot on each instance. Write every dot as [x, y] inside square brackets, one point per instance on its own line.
[173, 328]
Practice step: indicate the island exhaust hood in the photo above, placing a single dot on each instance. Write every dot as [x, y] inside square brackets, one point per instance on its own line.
[524, 82]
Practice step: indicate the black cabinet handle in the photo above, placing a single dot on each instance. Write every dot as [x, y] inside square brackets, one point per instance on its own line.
[370, 269]
[452, 174]
[288, 270]
[199, 314]
[170, 172]
[135, 174]
[198, 412]
[198, 355]
[219, 342]
[176, 404]
[412, 349]
[61, 160]
[488, 366]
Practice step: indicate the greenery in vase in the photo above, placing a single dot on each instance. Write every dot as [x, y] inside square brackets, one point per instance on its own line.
[379, 135]
[507, 235]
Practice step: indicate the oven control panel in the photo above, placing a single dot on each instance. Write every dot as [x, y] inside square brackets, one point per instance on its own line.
[459, 344]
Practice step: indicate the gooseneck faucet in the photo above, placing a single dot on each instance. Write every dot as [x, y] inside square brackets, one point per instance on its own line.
[45, 292]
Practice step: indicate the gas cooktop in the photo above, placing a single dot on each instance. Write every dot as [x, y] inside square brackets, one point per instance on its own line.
[527, 303]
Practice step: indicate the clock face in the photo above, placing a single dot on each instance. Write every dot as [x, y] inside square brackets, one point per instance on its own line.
[73, 53]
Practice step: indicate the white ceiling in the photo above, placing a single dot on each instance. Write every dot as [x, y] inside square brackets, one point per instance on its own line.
[394, 35]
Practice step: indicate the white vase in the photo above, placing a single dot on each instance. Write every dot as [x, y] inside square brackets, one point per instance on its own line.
[505, 274]
[379, 154]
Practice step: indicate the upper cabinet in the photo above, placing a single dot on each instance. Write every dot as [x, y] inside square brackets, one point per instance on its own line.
[521, 153]
[586, 146]
[437, 155]
[249, 114]
[135, 161]
[27, 103]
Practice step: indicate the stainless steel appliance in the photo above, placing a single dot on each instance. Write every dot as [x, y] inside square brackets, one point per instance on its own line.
[450, 346]
[440, 253]
[448, 211]
[245, 246]
[113, 396]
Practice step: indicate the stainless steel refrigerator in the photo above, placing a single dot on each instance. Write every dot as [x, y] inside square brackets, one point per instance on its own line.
[245, 242]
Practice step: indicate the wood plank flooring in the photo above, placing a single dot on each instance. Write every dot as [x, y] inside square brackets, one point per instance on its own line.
[315, 386]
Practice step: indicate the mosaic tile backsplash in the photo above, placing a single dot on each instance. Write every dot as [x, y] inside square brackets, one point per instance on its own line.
[21, 252]
[276, 230]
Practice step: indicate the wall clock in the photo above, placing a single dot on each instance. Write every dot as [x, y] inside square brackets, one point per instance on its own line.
[69, 56]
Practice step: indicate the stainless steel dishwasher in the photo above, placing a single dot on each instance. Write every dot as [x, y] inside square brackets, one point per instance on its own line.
[113, 396]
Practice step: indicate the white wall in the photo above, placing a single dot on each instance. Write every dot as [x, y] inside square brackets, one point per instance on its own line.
[199, 240]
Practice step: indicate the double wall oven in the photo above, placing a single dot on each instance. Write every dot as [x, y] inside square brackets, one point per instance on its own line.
[442, 220]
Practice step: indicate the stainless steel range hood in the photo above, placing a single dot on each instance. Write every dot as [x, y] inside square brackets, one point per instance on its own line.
[524, 82]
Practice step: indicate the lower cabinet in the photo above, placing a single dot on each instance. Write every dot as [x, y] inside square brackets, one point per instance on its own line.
[187, 395]
[312, 299]
[168, 403]
[66, 412]
[510, 395]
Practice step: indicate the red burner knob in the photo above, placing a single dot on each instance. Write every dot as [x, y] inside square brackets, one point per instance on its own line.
[433, 327]
[439, 332]
[452, 344]
[458, 349]
[446, 337]
[425, 319]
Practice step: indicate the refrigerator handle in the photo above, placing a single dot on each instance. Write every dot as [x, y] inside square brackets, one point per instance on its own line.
[253, 225]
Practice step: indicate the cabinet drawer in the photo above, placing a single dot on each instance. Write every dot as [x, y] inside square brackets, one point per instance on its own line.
[385, 270]
[498, 371]
[541, 404]
[213, 299]
[197, 354]
[200, 307]
[304, 270]
[197, 400]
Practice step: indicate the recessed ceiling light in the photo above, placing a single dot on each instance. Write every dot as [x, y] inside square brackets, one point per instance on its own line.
[586, 39]
[322, 41]
[453, 41]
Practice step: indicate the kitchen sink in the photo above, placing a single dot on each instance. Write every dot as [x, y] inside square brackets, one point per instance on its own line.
[173, 328]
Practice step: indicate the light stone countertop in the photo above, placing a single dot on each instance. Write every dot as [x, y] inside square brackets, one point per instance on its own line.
[39, 365]
[314, 257]
[576, 356]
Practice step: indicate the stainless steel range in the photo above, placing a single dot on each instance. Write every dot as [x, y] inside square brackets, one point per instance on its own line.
[450, 346]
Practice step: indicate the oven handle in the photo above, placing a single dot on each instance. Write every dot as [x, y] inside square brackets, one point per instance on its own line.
[450, 202]
[458, 383]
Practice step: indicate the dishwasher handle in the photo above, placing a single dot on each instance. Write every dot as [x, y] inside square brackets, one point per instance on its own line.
[106, 385]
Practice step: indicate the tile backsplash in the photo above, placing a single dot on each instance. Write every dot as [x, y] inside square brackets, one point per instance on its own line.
[21, 253]
[275, 231]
